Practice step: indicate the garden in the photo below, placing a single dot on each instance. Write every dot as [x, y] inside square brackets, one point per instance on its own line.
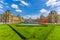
[29, 32]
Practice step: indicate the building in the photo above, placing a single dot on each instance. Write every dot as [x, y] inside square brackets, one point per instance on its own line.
[52, 17]
[43, 19]
[9, 17]
[32, 21]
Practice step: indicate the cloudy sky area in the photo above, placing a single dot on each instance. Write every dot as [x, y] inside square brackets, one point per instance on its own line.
[30, 8]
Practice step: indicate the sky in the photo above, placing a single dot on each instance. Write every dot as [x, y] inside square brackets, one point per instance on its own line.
[30, 8]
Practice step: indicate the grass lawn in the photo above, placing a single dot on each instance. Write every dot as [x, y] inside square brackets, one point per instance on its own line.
[6, 33]
[39, 32]
[55, 34]
[31, 32]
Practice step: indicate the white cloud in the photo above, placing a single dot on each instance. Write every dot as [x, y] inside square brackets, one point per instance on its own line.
[32, 16]
[16, 0]
[1, 10]
[57, 9]
[35, 16]
[44, 12]
[14, 6]
[18, 10]
[1, 6]
[21, 4]
[7, 6]
[1, 1]
[53, 3]
[26, 16]
[24, 3]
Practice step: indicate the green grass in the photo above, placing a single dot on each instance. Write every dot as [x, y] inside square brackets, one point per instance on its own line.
[6, 33]
[39, 32]
[55, 34]
[31, 32]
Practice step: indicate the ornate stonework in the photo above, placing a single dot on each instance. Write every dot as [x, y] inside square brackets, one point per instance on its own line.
[8, 17]
[53, 17]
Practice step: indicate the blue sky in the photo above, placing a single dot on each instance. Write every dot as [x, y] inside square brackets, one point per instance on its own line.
[30, 8]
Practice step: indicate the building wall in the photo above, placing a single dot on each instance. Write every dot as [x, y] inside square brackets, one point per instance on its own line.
[58, 19]
[53, 17]
[8, 17]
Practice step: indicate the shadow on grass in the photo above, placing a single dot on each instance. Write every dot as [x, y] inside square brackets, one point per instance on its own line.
[33, 35]
[41, 25]
[53, 26]
[20, 35]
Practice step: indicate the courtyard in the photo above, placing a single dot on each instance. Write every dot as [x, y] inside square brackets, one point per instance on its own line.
[29, 32]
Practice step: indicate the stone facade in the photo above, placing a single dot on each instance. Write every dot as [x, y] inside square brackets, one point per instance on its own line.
[42, 17]
[8, 17]
[52, 17]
